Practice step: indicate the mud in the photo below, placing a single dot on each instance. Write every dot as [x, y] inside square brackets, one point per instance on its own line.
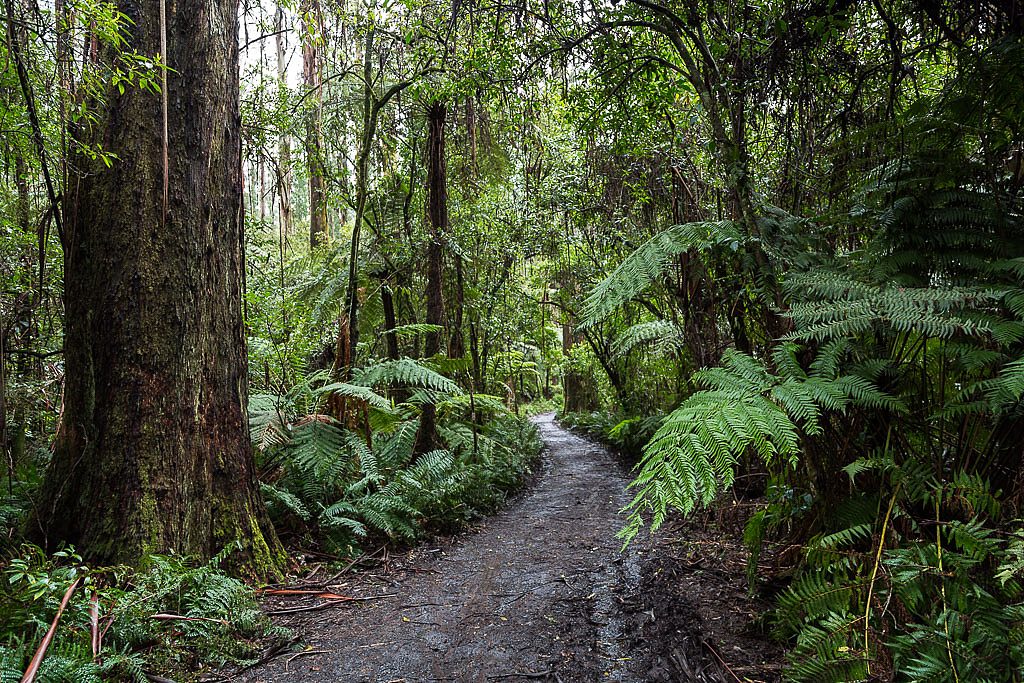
[540, 591]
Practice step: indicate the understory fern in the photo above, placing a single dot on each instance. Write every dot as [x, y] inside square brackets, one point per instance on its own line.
[168, 616]
[346, 483]
[663, 336]
[692, 455]
[646, 265]
[941, 597]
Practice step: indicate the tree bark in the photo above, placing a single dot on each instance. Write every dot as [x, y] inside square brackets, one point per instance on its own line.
[437, 220]
[284, 155]
[578, 392]
[312, 78]
[154, 453]
[362, 189]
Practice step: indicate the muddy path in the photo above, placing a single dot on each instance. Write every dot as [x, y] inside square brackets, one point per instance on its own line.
[540, 591]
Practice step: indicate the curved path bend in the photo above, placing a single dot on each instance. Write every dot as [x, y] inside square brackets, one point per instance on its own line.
[539, 591]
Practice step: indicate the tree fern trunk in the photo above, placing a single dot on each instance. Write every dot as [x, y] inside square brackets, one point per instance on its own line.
[154, 453]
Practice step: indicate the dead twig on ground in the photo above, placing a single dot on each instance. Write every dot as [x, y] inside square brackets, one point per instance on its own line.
[522, 674]
[329, 603]
[722, 661]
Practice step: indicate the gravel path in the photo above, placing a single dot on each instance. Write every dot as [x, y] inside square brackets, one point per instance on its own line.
[539, 591]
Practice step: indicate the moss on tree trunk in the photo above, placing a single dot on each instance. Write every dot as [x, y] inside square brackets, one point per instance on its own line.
[154, 452]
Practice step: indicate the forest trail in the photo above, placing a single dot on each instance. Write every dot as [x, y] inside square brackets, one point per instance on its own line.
[539, 591]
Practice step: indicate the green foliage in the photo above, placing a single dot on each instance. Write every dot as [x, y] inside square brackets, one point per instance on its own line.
[220, 621]
[347, 486]
[664, 336]
[646, 265]
[628, 436]
[406, 372]
[937, 604]
[692, 456]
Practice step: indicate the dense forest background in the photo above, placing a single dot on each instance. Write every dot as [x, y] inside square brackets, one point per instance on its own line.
[771, 246]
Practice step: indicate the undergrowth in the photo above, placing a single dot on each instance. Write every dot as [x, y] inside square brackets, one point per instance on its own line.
[338, 482]
[166, 617]
[349, 482]
[628, 436]
[887, 405]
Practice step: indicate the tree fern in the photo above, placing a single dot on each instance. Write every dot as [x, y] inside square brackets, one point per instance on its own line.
[647, 264]
[663, 336]
[318, 448]
[360, 393]
[405, 372]
[691, 456]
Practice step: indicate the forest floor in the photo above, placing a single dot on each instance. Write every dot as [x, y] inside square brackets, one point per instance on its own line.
[539, 591]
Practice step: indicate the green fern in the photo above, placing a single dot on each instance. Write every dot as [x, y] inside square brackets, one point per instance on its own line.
[663, 336]
[360, 393]
[405, 372]
[646, 265]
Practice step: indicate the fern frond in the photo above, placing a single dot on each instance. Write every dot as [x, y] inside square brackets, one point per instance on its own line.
[405, 372]
[645, 265]
[663, 335]
[361, 393]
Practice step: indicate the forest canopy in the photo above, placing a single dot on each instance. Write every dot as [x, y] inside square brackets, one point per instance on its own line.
[294, 272]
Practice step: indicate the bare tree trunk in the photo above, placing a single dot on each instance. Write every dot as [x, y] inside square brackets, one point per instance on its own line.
[4, 450]
[362, 173]
[312, 77]
[284, 154]
[437, 219]
[154, 452]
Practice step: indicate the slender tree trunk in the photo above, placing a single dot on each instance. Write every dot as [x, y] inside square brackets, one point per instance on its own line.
[312, 77]
[4, 450]
[362, 173]
[154, 452]
[26, 303]
[390, 320]
[437, 220]
[471, 132]
[284, 154]
[456, 343]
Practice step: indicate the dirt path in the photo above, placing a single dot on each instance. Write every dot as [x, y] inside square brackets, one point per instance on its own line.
[539, 591]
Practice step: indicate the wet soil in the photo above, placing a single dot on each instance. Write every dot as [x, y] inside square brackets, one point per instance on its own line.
[540, 591]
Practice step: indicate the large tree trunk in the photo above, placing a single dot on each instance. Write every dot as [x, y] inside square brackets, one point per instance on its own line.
[312, 78]
[437, 219]
[154, 452]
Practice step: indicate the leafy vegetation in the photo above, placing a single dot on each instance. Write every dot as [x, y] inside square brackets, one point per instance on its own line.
[766, 242]
[166, 615]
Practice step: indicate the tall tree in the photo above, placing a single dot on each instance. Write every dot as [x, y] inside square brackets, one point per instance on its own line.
[313, 80]
[153, 452]
[284, 156]
[437, 221]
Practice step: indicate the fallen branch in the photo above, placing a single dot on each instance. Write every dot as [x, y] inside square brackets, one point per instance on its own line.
[326, 582]
[303, 654]
[37, 659]
[731, 672]
[293, 591]
[94, 624]
[272, 652]
[176, 617]
[329, 603]
[537, 674]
